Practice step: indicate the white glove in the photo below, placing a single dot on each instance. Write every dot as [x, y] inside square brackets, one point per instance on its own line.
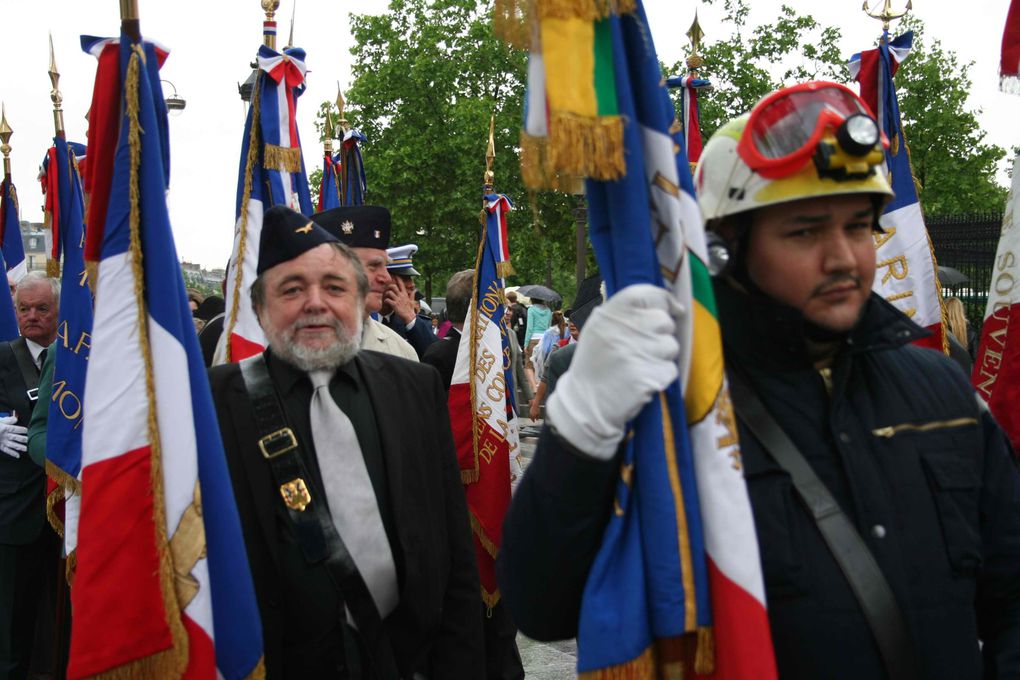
[13, 438]
[627, 353]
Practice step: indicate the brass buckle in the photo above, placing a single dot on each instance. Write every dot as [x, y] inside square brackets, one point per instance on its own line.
[277, 443]
[295, 494]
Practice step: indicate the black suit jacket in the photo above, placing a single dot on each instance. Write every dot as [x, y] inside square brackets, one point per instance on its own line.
[22, 482]
[436, 628]
[443, 355]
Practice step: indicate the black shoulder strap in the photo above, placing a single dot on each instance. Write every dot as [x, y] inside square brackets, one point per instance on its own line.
[309, 517]
[866, 579]
[29, 371]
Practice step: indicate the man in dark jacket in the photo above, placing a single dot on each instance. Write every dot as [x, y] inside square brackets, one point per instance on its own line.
[894, 432]
[365, 439]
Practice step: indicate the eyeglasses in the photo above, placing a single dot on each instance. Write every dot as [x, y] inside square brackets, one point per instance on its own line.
[785, 128]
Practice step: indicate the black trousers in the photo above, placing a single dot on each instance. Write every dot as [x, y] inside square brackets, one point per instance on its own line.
[28, 577]
[502, 658]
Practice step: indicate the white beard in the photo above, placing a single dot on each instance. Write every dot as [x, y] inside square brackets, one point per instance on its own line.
[336, 354]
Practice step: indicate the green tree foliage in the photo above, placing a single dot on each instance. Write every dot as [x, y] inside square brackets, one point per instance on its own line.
[954, 166]
[427, 76]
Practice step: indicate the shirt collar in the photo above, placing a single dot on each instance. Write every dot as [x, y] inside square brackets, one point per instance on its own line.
[35, 348]
[287, 376]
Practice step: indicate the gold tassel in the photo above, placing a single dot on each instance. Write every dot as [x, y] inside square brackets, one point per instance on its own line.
[586, 147]
[469, 476]
[588, 10]
[640, 668]
[52, 268]
[92, 275]
[52, 498]
[69, 566]
[281, 158]
[704, 654]
[504, 269]
[510, 22]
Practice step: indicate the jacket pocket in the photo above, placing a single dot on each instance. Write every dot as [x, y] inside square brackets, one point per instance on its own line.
[954, 482]
[890, 431]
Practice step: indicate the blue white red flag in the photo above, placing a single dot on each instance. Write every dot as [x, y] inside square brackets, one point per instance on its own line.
[483, 415]
[678, 571]
[329, 188]
[272, 172]
[690, 112]
[159, 534]
[9, 216]
[65, 209]
[11, 246]
[352, 169]
[906, 274]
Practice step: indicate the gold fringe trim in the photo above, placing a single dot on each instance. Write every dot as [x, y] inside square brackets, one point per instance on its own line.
[259, 672]
[92, 275]
[490, 599]
[281, 158]
[683, 535]
[576, 147]
[486, 542]
[170, 662]
[62, 478]
[504, 269]
[588, 10]
[510, 22]
[469, 476]
[52, 268]
[704, 654]
[249, 169]
[52, 498]
[640, 668]
[69, 567]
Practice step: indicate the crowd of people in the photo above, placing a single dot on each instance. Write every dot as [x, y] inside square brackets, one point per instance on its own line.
[886, 499]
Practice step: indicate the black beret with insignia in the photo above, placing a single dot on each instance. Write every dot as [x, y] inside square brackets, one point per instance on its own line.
[286, 234]
[359, 226]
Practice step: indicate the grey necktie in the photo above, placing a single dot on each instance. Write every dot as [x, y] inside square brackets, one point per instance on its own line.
[352, 502]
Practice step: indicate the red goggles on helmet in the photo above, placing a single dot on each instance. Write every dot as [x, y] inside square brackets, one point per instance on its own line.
[785, 128]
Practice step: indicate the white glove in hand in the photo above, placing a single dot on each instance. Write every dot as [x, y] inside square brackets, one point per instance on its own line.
[627, 353]
[13, 438]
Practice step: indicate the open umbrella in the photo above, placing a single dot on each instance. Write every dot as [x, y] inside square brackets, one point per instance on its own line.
[951, 277]
[536, 292]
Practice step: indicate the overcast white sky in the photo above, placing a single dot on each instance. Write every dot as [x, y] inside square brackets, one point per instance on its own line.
[213, 42]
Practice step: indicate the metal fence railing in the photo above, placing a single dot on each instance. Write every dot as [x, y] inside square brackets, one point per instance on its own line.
[967, 242]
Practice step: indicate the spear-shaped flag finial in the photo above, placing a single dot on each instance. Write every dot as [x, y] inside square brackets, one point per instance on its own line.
[490, 157]
[887, 14]
[290, 38]
[342, 105]
[5, 140]
[327, 131]
[55, 96]
[696, 35]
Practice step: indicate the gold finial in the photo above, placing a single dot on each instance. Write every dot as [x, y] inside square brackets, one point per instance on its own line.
[342, 105]
[129, 10]
[290, 38]
[55, 96]
[887, 15]
[270, 7]
[327, 131]
[695, 34]
[490, 157]
[5, 138]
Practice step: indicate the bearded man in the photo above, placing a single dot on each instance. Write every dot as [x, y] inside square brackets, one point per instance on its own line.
[346, 480]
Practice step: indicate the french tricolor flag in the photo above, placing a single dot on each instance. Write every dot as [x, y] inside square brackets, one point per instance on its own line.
[906, 273]
[162, 587]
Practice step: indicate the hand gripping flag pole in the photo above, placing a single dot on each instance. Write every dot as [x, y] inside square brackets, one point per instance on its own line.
[676, 588]
[159, 532]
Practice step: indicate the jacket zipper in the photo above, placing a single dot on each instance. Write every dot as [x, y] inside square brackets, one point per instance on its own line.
[891, 430]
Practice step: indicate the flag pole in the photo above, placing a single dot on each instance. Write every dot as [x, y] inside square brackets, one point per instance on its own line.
[55, 96]
[129, 21]
[269, 36]
[342, 105]
[5, 141]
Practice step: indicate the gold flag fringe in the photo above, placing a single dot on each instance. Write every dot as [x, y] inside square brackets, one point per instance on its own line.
[640, 668]
[70, 564]
[170, 662]
[52, 268]
[504, 269]
[511, 18]
[704, 654]
[92, 275]
[576, 147]
[249, 169]
[281, 158]
[479, 531]
[469, 476]
[52, 498]
[259, 672]
[62, 478]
